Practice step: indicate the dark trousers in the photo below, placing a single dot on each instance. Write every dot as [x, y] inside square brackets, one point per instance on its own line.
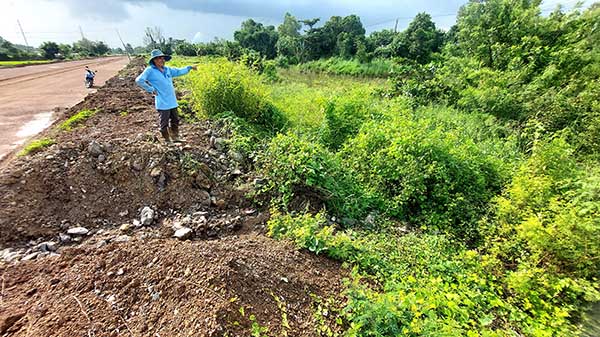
[168, 115]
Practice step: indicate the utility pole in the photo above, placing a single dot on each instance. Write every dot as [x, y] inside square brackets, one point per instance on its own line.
[22, 33]
[124, 47]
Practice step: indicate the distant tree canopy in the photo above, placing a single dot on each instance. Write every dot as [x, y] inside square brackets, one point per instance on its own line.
[340, 37]
[50, 49]
[85, 47]
[254, 35]
[13, 52]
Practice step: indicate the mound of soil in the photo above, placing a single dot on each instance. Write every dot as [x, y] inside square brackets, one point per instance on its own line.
[106, 170]
[169, 288]
[110, 232]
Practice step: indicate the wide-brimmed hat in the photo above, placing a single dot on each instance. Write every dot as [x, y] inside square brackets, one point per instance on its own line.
[156, 53]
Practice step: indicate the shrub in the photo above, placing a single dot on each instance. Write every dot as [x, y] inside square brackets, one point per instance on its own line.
[550, 213]
[426, 173]
[224, 86]
[546, 235]
[339, 66]
[299, 168]
[344, 116]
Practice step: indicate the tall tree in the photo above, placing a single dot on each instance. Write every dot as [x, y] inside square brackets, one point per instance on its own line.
[254, 35]
[290, 26]
[487, 29]
[422, 38]
[50, 49]
[290, 42]
[155, 39]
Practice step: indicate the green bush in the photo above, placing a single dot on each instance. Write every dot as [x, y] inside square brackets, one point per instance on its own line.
[551, 213]
[547, 235]
[296, 167]
[222, 86]
[424, 285]
[344, 116]
[435, 172]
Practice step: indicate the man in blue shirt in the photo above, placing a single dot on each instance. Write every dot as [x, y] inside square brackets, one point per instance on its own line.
[157, 79]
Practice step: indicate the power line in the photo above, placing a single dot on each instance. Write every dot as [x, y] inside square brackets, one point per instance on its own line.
[407, 18]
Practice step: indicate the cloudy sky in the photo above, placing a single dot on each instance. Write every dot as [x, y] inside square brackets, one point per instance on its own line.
[201, 20]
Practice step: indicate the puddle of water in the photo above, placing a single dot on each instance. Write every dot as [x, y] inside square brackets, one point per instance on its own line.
[35, 126]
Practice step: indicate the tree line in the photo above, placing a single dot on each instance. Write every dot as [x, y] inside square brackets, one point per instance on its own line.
[300, 40]
[51, 50]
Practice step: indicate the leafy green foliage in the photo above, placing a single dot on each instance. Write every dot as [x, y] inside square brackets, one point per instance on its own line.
[296, 167]
[426, 284]
[36, 146]
[338, 66]
[254, 35]
[428, 174]
[50, 49]
[344, 117]
[12, 52]
[546, 232]
[223, 86]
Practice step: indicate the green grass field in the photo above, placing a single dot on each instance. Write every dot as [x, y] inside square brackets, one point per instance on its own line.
[23, 63]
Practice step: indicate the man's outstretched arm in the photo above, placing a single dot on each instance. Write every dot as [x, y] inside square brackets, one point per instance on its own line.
[181, 71]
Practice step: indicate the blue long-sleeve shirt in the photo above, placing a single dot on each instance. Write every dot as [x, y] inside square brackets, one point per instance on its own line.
[153, 80]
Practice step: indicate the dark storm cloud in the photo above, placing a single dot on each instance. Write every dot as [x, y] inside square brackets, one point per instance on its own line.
[371, 12]
[108, 10]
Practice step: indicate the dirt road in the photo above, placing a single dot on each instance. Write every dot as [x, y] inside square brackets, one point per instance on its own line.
[29, 95]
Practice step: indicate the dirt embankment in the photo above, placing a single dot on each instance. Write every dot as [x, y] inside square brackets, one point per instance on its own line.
[88, 225]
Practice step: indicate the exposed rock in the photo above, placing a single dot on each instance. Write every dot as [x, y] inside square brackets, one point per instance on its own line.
[95, 149]
[183, 233]
[31, 256]
[147, 216]
[10, 255]
[155, 172]
[137, 165]
[220, 144]
[122, 238]
[78, 231]
[202, 180]
[204, 198]
[46, 247]
[64, 238]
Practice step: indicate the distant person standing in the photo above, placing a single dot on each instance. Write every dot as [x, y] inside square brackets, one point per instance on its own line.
[157, 79]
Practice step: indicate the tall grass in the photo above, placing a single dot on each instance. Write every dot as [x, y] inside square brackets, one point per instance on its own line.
[338, 66]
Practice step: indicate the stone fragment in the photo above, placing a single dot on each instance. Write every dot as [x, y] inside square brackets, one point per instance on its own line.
[184, 233]
[95, 149]
[78, 231]
[147, 216]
